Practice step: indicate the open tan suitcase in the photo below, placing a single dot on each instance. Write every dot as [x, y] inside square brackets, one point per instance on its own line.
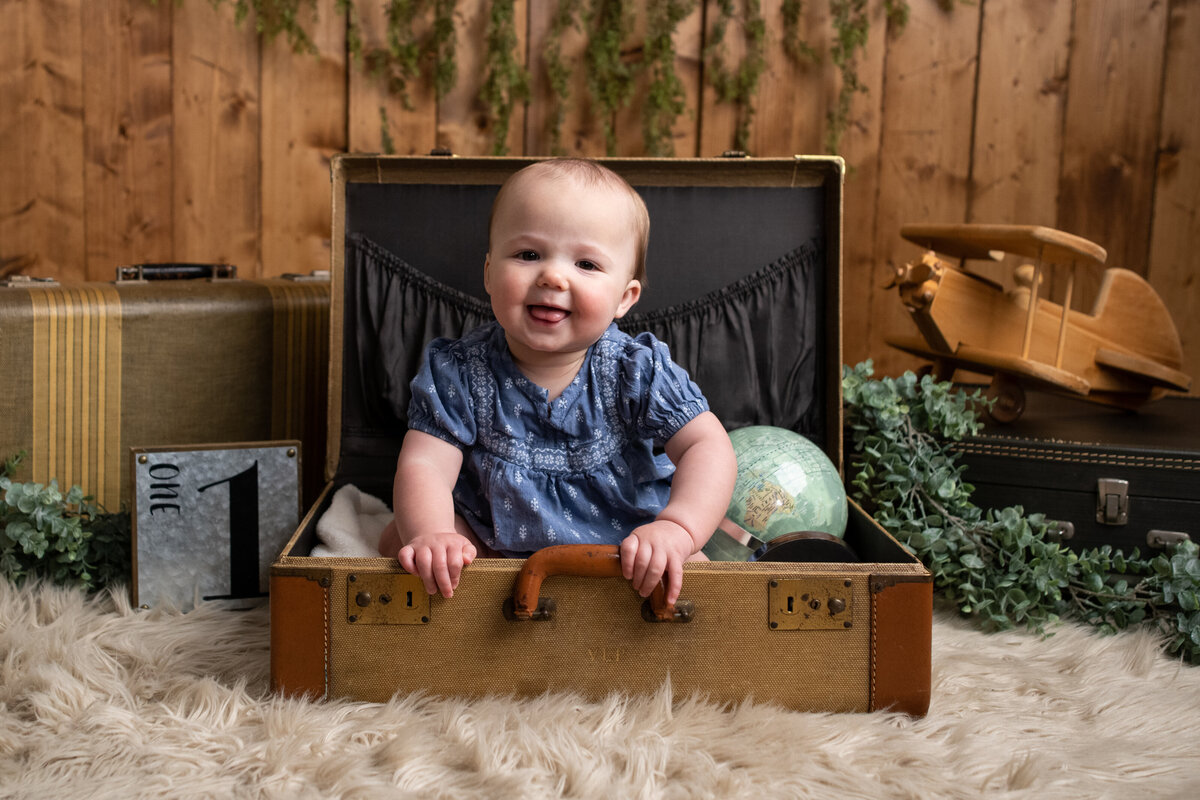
[745, 267]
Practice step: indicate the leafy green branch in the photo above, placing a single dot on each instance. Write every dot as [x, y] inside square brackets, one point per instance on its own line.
[998, 566]
[66, 539]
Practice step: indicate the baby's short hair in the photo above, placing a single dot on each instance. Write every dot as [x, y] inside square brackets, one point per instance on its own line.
[596, 174]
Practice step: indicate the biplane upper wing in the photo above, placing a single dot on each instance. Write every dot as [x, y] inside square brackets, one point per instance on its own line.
[968, 240]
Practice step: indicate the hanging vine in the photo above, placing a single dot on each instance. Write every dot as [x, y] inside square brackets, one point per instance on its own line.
[566, 16]
[505, 81]
[851, 27]
[790, 12]
[273, 17]
[444, 47]
[407, 56]
[738, 86]
[398, 62]
[609, 78]
[665, 98]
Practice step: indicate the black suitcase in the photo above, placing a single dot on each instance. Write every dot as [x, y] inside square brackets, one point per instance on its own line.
[1105, 476]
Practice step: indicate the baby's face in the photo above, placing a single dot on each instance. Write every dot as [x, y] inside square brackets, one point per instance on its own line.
[560, 264]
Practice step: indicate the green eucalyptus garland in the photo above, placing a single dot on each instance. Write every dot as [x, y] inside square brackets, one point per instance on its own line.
[997, 566]
[64, 538]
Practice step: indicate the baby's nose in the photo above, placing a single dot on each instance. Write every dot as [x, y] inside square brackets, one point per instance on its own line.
[552, 276]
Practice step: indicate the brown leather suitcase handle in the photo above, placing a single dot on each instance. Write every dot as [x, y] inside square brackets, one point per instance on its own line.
[587, 561]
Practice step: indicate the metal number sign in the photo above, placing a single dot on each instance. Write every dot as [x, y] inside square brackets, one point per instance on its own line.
[208, 520]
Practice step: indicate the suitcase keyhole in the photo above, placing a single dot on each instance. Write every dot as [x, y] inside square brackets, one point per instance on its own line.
[409, 600]
[791, 609]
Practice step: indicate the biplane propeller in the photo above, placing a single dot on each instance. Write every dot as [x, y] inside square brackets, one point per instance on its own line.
[1125, 352]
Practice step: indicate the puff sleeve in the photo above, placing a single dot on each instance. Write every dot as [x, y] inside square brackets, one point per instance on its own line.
[658, 397]
[441, 395]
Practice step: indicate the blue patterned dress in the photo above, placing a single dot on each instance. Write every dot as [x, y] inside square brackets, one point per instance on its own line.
[580, 469]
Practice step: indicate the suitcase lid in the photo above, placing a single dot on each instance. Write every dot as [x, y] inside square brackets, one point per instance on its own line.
[744, 268]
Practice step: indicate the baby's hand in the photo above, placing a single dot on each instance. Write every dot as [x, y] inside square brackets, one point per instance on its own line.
[653, 550]
[438, 558]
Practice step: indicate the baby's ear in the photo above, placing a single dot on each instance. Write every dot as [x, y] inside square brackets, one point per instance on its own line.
[487, 262]
[632, 293]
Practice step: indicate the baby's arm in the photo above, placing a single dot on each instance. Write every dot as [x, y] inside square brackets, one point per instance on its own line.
[426, 472]
[705, 471]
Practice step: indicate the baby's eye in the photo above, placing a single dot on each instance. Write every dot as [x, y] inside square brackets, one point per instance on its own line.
[587, 265]
[527, 255]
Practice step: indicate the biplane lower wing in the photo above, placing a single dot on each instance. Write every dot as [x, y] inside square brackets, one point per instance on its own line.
[979, 359]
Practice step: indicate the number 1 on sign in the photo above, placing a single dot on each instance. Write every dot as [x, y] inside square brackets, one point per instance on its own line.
[243, 534]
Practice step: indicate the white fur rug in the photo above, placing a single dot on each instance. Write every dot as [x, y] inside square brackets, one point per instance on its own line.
[101, 700]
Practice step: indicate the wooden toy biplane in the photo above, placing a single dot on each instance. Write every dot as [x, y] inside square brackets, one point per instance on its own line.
[1124, 353]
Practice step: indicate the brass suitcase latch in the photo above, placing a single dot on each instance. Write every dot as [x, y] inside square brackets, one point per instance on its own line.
[386, 598]
[809, 604]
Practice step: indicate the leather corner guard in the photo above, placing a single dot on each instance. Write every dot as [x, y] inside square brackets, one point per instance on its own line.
[901, 646]
[299, 636]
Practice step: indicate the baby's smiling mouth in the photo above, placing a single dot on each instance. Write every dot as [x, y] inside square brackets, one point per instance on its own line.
[548, 313]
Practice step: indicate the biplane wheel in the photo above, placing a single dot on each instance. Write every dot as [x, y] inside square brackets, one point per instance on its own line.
[1009, 399]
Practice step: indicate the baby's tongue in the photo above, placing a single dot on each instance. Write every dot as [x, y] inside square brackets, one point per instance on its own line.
[547, 314]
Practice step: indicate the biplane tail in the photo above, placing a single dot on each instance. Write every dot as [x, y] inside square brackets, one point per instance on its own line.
[1129, 307]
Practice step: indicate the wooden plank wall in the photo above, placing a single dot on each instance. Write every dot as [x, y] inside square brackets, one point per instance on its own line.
[133, 130]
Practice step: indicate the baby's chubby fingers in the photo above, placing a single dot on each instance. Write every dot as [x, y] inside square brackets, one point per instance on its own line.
[438, 559]
[418, 561]
[456, 559]
[629, 551]
[642, 563]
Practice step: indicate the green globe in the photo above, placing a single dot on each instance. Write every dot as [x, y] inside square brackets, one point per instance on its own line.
[785, 483]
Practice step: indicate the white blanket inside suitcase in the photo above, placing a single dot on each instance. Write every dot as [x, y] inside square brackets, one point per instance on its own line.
[350, 528]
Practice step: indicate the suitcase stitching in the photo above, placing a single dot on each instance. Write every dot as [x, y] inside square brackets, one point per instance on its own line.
[1114, 459]
[325, 633]
[874, 652]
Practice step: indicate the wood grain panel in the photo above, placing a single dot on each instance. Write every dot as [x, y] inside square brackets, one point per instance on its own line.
[303, 125]
[793, 95]
[1175, 242]
[719, 120]
[860, 148]
[1110, 138]
[1020, 102]
[128, 135]
[925, 150]
[689, 44]
[413, 131]
[463, 124]
[41, 138]
[216, 152]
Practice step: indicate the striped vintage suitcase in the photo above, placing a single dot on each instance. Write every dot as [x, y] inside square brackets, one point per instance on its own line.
[164, 355]
[745, 287]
